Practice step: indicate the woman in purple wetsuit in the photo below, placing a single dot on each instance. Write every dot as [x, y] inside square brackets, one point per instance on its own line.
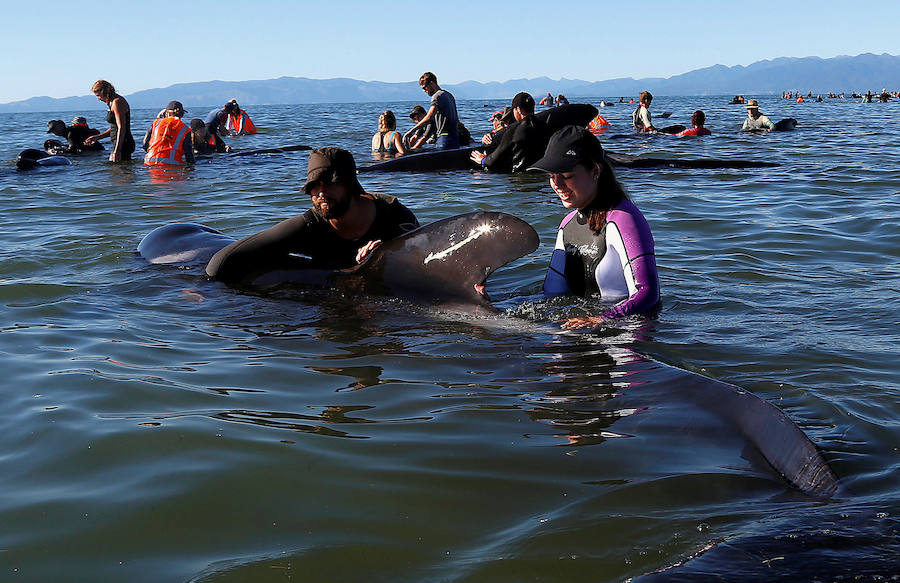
[604, 246]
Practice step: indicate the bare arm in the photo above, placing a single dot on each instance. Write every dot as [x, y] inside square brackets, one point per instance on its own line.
[118, 107]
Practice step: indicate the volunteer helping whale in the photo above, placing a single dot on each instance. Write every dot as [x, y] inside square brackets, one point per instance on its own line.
[345, 224]
[604, 245]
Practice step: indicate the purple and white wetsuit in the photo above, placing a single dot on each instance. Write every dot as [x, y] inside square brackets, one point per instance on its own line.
[618, 263]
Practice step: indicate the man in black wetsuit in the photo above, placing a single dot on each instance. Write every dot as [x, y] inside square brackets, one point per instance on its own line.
[74, 135]
[344, 225]
[521, 143]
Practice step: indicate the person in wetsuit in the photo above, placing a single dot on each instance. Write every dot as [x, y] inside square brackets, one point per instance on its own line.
[521, 143]
[345, 224]
[203, 142]
[217, 119]
[75, 135]
[119, 119]
[419, 135]
[642, 119]
[604, 246]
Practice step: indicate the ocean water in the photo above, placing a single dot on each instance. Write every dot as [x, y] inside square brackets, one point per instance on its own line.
[157, 426]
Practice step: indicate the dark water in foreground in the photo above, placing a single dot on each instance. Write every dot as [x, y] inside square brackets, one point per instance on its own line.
[160, 427]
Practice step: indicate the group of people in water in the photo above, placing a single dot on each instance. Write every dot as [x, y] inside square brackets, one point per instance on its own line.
[604, 245]
[168, 141]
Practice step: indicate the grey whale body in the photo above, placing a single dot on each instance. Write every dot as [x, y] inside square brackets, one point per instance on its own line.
[446, 261]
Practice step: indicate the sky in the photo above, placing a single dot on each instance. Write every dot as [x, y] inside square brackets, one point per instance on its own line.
[59, 48]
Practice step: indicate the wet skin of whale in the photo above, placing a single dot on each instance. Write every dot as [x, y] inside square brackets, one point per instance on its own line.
[449, 261]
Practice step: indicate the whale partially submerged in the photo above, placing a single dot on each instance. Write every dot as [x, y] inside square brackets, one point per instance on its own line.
[445, 261]
[449, 261]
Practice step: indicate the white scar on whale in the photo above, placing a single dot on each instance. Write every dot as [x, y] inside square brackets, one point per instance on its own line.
[473, 234]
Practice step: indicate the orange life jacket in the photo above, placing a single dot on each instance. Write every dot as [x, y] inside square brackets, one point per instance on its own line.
[240, 123]
[166, 141]
[598, 124]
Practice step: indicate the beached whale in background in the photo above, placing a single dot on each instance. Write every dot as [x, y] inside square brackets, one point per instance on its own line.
[438, 160]
[786, 124]
[445, 261]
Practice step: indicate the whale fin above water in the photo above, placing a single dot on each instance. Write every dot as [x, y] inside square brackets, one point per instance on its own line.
[448, 260]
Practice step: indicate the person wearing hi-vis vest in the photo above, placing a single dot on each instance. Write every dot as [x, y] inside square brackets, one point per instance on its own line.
[238, 122]
[168, 141]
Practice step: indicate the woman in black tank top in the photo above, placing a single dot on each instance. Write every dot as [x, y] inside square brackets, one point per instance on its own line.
[119, 118]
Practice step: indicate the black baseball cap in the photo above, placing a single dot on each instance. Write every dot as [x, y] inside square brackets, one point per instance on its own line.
[567, 148]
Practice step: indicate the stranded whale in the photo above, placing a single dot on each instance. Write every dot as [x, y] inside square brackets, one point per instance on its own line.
[450, 260]
[445, 261]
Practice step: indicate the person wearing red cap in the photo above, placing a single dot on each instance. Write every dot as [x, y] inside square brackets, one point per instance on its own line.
[604, 246]
[344, 225]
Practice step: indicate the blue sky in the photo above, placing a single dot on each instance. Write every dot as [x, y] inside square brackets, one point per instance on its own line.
[59, 48]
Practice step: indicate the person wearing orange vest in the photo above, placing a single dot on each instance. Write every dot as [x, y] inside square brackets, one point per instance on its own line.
[238, 122]
[168, 141]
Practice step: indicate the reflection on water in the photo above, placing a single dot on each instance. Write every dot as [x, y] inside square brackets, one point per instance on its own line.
[159, 426]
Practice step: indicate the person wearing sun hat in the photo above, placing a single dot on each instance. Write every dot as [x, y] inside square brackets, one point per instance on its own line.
[343, 226]
[755, 120]
[604, 246]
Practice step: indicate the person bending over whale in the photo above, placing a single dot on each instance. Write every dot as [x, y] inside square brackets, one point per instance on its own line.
[442, 111]
[203, 142]
[604, 246]
[345, 224]
[75, 135]
[522, 142]
[119, 119]
[168, 141]
[216, 120]
[641, 119]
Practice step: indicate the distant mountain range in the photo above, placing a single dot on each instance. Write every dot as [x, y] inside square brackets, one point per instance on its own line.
[847, 74]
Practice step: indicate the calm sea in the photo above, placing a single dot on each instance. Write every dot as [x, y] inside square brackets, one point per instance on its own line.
[157, 426]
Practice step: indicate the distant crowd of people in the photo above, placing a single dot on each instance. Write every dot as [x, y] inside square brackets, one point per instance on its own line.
[345, 223]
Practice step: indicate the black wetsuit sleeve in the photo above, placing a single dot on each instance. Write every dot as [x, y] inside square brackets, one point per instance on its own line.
[528, 144]
[75, 145]
[397, 220]
[500, 158]
[147, 137]
[220, 145]
[188, 148]
[265, 251]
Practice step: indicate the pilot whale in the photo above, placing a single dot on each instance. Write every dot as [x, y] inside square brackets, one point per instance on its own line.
[445, 261]
[449, 261]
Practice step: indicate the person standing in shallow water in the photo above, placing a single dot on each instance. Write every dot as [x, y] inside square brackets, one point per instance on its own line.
[119, 119]
[442, 111]
[604, 246]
